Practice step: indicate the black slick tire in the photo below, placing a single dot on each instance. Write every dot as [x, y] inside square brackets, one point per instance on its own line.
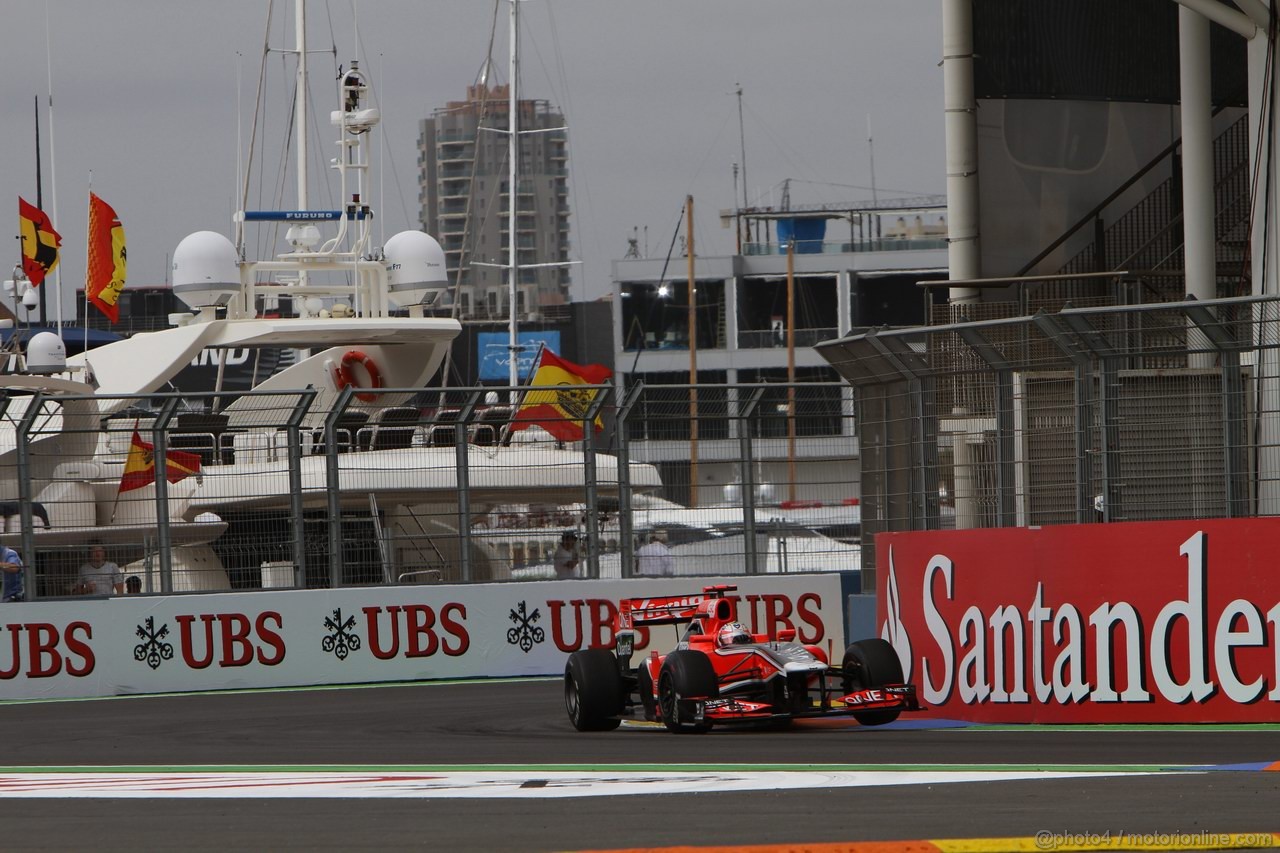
[871, 663]
[593, 690]
[685, 673]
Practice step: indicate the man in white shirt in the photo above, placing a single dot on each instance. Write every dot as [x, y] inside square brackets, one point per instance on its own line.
[654, 559]
[99, 576]
[566, 557]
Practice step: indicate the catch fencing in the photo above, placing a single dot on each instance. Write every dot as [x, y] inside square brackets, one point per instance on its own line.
[316, 489]
[1074, 416]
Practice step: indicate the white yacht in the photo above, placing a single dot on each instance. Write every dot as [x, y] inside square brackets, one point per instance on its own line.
[396, 483]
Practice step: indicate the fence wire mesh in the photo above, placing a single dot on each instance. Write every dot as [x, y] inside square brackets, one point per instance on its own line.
[1083, 415]
[259, 490]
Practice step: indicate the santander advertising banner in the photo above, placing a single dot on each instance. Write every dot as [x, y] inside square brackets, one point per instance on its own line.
[1135, 622]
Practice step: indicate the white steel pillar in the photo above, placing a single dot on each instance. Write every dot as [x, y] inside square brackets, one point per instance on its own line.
[962, 146]
[1197, 153]
[1265, 246]
[1198, 207]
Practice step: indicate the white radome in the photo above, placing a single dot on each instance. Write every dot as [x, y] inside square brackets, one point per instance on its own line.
[416, 272]
[46, 354]
[206, 270]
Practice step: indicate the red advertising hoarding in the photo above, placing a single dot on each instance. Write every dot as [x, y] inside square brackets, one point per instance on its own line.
[1137, 622]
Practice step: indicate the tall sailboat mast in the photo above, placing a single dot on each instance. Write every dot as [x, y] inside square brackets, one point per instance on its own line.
[300, 108]
[513, 174]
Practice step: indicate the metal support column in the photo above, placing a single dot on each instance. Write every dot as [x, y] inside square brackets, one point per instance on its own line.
[333, 484]
[625, 526]
[462, 448]
[160, 451]
[297, 521]
[747, 412]
[589, 475]
[1082, 394]
[1108, 388]
[25, 495]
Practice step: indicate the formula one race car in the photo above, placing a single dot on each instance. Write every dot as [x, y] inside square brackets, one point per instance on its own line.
[721, 673]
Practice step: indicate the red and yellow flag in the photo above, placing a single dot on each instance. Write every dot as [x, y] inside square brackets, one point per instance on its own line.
[140, 467]
[560, 410]
[40, 243]
[107, 255]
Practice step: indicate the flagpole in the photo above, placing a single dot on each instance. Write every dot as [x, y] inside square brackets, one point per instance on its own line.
[88, 237]
[53, 167]
[693, 358]
[518, 395]
[44, 316]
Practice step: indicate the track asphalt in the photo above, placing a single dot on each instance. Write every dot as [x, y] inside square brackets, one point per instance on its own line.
[495, 765]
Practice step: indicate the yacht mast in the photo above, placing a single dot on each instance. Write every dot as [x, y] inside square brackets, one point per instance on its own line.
[300, 99]
[300, 108]
[513, 174]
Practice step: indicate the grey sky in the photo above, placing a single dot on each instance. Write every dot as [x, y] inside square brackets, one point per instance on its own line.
[146, 97]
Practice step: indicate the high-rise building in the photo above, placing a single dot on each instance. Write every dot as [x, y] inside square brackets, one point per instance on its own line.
[463, 181]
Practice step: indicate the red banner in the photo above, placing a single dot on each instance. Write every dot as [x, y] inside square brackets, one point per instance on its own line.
[107, 259]
[1140, 622]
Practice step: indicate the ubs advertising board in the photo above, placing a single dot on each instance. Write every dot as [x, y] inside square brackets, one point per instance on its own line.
[1135, 622]
[160, 644]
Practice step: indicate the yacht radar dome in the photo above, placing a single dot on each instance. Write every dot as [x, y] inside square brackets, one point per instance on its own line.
[206, 270]
[416, 273]
[46, 354]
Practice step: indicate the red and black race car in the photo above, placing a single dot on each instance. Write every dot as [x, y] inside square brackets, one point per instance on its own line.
[721, 673]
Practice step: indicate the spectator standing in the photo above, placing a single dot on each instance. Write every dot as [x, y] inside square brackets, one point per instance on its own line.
[654, 559]
[11, 582]
[99, 576]
[566, 557]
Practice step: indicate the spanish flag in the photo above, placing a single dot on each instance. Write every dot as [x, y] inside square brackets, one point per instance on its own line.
[140, 467]
[560, 410]
[40, 243]
[106, 272]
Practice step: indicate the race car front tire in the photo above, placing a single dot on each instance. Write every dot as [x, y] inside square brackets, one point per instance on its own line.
[871, 663]
[593, 690]
[685, 673]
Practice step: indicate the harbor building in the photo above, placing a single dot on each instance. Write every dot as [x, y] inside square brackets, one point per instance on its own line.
[842, 282]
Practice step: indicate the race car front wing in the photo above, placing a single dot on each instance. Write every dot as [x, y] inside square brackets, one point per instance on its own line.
[727, 709]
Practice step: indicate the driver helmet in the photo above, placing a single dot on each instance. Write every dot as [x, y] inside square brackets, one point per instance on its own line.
[734, 634]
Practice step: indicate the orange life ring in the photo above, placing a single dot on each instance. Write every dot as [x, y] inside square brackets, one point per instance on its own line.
[347, 378]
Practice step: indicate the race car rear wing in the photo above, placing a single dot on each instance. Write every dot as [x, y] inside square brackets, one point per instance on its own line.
[675, 609]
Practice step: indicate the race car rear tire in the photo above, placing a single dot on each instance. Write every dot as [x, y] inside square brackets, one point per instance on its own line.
[685, 673]
[871, 663]
[593, 690]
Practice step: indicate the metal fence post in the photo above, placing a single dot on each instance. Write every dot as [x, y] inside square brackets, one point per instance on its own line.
[334, 484]
[599, 398]
[461, 448]
[1083, 401]
[625, 526]
[1110, 443]
[748, 477]
[160, 450]
[298, 523]
[25, 496]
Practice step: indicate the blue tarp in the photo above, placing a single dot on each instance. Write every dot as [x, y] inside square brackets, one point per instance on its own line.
[808, 233]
